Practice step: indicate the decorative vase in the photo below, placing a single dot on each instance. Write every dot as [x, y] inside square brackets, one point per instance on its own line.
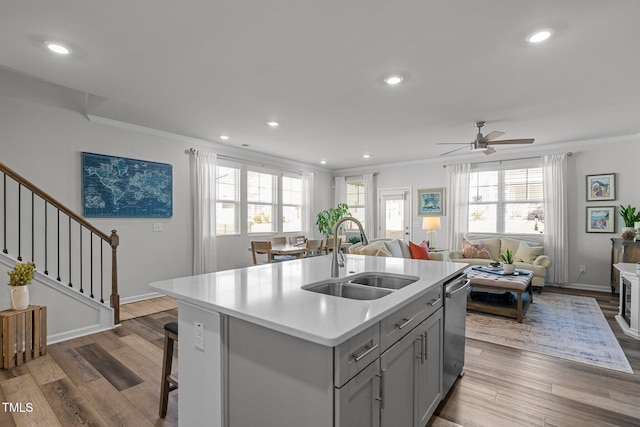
[628, 233]
[19, 297]
[509, 268]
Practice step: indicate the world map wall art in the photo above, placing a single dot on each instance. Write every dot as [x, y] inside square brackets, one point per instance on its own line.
[118, 187]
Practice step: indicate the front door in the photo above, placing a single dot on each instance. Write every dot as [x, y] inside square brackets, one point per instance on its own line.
[395, 213]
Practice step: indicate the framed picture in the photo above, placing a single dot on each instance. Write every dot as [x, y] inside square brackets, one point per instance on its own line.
[431, 202]
[601, 219]
[601, 187]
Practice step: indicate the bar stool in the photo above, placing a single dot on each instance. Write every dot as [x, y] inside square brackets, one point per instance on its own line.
[169, 383]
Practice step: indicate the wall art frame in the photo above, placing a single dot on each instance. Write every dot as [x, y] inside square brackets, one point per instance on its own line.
[601, 187]
[431, 202]
[601, 219]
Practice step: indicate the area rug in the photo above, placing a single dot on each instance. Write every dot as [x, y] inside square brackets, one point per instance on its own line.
[565, 326]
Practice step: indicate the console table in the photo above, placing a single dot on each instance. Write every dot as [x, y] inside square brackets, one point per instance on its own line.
[622, 251]
[629, 310]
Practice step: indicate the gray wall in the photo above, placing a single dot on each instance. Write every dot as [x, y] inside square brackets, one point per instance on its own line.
[590, 249]
[43, 132]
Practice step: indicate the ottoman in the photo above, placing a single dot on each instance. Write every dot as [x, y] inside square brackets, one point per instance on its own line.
[487, 280]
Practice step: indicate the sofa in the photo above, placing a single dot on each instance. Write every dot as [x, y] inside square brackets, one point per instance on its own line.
[390, 248]
[527, 255]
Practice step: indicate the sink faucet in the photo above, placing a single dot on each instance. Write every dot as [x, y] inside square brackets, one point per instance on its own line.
[335, 264]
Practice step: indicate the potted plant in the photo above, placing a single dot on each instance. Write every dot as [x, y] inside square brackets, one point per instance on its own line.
[630, 217]
[19, 278]
[507, 261]
[326, 219]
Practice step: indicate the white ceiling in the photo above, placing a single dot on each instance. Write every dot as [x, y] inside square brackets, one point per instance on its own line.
[202, 68]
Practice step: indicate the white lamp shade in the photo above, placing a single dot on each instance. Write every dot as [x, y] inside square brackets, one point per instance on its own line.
[431, 223]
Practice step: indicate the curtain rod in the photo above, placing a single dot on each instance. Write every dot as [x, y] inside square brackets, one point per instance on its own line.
[253, 162]
[569, 154]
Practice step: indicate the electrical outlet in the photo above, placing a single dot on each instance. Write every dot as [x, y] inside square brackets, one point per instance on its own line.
[583, 269]
[157, 226]
[199, 335]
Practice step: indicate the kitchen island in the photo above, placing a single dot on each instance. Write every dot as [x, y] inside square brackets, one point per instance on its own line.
[257, 349]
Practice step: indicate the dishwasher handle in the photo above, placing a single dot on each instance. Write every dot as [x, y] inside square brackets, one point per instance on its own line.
[456, 288]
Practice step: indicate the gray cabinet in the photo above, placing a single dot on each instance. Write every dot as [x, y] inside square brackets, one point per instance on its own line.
[411, 376]
[358, 401]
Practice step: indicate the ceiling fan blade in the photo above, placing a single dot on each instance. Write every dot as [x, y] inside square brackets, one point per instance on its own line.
[492, 135]
[513, 141]
[489, 150]
[453, 151]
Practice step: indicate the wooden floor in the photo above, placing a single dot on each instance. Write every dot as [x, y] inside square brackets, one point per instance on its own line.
[113, 379]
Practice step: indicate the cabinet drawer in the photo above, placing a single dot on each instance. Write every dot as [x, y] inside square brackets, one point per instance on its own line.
[398, 324]
[356, 354]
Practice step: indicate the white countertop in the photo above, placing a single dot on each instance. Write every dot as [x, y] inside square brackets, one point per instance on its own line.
[626, 267]
[270, 295]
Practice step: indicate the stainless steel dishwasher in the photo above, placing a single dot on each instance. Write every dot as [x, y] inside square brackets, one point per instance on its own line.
[455, 314]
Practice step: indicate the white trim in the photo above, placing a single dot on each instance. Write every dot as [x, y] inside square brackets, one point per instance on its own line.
[75, 333]
[142, 297]
[582, 286]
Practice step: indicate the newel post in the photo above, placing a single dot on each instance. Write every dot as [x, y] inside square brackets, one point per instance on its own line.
[115, 298]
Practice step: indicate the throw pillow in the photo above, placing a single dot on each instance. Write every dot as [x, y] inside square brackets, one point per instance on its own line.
[526, 253]
[383, 252]
[370, 249]
[393, 247]
[475, 250]
[419, 251]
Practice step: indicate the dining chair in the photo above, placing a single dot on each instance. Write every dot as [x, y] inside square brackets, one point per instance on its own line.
[296, 240]
[314, 248]
[279, 240]
[329, 246]
[259, 247]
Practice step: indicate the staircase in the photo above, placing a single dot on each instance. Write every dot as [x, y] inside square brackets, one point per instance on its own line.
[72, 257]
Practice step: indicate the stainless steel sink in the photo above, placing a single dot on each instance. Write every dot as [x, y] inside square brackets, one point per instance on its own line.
[347, 290]
[383, 280]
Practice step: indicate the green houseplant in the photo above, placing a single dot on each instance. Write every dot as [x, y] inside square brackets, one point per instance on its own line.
[19, 278]
[326, 219]
[507, 259]
[629, 215]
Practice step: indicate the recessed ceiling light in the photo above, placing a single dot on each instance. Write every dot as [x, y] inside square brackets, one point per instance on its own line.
[366, 156]
[273, 123]
[225, 137]
[58, 48]
[539, 36]
[393, 80]
[323, 162]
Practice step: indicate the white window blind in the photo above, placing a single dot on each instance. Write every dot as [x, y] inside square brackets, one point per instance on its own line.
[507, 201]
[291, 204]
[227, 200]
[261, 202]
[356, 202]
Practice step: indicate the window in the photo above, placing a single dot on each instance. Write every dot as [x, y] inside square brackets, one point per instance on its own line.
[261, 202]
[355, 201]
[291, 204]
[506, 201]
[227, 200]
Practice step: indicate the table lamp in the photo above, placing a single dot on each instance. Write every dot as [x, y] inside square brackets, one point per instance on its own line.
[431, 224]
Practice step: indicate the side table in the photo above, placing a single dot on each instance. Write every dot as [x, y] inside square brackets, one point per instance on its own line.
[24, 335]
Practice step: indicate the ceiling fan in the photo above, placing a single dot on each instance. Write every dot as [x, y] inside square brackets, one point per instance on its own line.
[482, 143]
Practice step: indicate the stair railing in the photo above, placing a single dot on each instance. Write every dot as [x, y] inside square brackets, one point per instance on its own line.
[75, 247]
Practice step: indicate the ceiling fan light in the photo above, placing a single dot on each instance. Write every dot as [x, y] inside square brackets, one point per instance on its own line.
[393, 80]
[539, 36]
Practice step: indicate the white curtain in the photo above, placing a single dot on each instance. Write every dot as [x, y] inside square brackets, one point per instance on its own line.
[340, 190]
[556, 234]
[457, 204]
[308, 179]
[370, 205]
[203, 205]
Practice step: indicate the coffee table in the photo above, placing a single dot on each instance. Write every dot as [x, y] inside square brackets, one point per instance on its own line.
[519, 283]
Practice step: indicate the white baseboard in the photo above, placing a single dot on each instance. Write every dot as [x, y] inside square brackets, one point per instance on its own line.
[142, 297]
[582, 286]
[76, 333]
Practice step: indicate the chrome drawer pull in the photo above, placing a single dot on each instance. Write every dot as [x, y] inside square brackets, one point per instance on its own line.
[406, 322]
[367, 351]
[434, 301]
